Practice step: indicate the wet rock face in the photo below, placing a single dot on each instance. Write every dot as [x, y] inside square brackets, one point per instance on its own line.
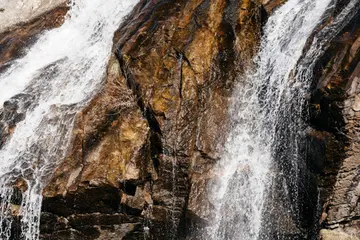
[334, 141]
[13, 42]
[15, 39]
[12, 112]
[14, 13]
[142, 151]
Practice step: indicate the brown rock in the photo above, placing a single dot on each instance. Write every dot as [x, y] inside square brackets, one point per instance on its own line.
[154, 131]
[14, 40]
[143, 150]
[335, 112]
[270, 5]
[145, 146]
[335, 235]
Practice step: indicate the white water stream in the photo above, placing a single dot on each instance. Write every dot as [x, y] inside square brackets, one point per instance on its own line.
[266, 112]
[50, 84]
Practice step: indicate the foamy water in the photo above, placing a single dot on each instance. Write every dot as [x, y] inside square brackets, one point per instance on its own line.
[60, 73]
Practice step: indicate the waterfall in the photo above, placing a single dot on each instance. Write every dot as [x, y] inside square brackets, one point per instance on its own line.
[42, 93]
[255, 190]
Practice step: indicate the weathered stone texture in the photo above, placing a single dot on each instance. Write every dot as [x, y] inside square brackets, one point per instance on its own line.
[14, 40]
[142, 151]
[335, 235]
[148, 140]
[14, 13]
[334, 113]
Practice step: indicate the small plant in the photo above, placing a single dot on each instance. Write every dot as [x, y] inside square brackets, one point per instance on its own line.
[2, 9]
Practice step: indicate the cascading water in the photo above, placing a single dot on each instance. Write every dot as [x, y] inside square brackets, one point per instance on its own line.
[262, 152]
[43, 91]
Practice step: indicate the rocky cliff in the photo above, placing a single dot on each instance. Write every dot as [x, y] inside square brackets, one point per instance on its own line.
[142, 151]
[334, 140]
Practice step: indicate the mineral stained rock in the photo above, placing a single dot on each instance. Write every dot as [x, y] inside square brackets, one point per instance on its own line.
[142, 151]
[334, 144]
[144, 147]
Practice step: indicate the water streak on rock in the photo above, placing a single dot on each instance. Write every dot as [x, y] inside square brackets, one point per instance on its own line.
[251, 167]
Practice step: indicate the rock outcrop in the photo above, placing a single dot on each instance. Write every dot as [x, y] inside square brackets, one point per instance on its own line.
[334, 145]
[143, 149]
